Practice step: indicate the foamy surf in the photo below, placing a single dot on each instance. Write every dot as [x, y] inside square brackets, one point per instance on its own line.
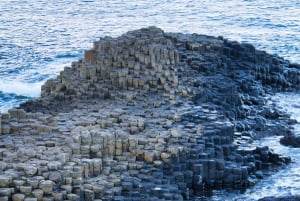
[21, 88]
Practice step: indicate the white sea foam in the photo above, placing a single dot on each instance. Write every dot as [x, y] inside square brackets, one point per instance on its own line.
[21, 88]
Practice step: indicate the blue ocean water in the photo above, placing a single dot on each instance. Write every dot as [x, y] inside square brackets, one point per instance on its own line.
[39, 37]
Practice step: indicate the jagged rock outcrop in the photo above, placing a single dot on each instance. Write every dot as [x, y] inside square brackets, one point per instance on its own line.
[147, 116]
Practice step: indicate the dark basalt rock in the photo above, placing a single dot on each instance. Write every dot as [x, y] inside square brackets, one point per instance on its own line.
[290, 140]
[151, 115]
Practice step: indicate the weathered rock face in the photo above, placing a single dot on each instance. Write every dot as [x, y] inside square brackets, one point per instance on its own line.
[147, 116]
[143, 60]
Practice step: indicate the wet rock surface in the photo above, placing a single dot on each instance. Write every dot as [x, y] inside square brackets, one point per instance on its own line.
[148, 116]
[290, 140]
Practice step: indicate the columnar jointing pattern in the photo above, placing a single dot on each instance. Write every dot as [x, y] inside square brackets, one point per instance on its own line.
[146, 116]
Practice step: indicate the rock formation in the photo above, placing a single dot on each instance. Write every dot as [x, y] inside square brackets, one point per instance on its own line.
[147, 116]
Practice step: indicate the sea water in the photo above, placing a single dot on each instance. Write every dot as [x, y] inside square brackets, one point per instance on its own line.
[39, 37]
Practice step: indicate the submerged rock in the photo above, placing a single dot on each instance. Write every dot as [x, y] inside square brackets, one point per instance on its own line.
[148, 115]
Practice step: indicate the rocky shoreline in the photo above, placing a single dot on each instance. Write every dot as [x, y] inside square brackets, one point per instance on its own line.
[148, 116]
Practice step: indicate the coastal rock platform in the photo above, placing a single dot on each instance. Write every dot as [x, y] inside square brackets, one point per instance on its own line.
[148, 115]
